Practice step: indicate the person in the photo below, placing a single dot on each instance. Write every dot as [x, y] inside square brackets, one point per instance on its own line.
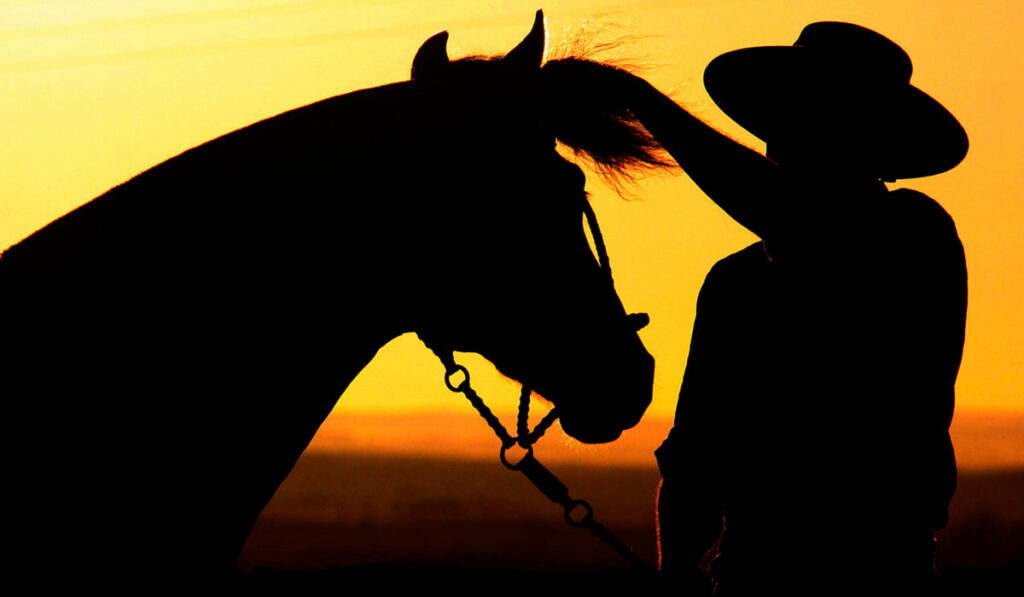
[811, 443]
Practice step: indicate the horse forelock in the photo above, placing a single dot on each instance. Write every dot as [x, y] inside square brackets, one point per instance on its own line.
[587, 111]
[580, 102]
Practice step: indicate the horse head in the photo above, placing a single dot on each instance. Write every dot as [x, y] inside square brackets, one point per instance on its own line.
[293, 249]
[519, 282]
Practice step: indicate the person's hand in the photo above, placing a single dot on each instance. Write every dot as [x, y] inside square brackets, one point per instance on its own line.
[581, 78]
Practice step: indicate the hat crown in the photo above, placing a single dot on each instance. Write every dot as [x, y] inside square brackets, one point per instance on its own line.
[853, 49]
[841, 89]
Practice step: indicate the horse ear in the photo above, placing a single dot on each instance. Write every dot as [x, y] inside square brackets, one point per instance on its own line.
[529, 54]
[432, 56]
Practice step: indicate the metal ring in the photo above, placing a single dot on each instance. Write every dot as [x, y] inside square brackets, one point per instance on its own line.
[448, 378]
[587, 519]
[505, 462]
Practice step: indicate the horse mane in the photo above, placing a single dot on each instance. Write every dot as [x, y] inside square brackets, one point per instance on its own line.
[583, 107]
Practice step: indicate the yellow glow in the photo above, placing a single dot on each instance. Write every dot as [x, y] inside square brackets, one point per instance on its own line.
[92, 93]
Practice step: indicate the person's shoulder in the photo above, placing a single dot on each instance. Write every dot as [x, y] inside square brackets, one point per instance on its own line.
[734, 273]
[742, 261]
[921, 221]
[916, 206]
[925, 229]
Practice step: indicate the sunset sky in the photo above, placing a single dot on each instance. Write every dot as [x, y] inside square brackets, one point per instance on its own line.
[94, 92]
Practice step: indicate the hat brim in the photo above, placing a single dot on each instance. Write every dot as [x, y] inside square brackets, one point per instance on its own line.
[775, 92]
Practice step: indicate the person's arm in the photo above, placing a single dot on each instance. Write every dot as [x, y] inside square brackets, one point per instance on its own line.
[688, 527]
[928, 319]
[690, 497]
[740, 180]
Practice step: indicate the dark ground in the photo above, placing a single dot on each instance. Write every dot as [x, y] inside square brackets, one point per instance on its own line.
[475, 527]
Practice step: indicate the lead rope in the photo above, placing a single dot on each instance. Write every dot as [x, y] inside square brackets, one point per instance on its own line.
[528, 465]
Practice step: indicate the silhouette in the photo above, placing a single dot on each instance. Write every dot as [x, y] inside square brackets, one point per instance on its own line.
[171, 347]
[811, 443]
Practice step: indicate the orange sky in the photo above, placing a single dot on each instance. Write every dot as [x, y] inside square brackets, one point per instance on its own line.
[92, 93]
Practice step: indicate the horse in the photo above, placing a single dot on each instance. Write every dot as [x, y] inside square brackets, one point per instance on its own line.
[171, 347]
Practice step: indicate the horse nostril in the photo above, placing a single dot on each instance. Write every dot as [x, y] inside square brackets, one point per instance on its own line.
[638, 321]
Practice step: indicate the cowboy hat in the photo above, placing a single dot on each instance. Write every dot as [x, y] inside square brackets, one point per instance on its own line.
[845, 82]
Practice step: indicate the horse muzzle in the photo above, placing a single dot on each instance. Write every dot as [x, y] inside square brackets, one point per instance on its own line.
[610, 406]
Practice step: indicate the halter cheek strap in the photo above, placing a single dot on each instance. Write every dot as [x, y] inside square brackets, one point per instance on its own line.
[595, 232]
[637, 321]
